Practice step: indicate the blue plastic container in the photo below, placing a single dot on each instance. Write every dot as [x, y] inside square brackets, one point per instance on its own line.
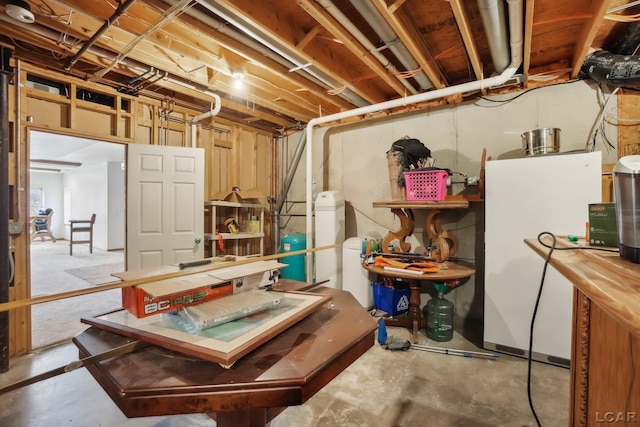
[391, 300]
[296, 266]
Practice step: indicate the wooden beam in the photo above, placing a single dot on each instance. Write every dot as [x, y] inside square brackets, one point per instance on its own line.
[328, 22]
[198, 45]
[408, 34]
[528, 36]
[396, 5]
[468, 39]
[308, 37]
[588, 33]
[334, 62]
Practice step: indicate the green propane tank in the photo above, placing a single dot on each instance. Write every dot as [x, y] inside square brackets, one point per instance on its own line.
[295, 263]
[439, 313]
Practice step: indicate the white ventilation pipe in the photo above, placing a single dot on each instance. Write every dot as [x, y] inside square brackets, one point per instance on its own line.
[215, 109]
[516, 26]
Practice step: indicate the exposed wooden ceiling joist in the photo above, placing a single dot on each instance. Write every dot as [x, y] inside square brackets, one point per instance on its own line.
[299, 61]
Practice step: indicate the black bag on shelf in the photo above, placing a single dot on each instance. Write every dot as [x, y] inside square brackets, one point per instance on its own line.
[413, 155]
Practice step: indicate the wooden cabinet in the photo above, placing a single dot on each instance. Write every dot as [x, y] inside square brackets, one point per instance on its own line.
[245, 237]
[605, 364]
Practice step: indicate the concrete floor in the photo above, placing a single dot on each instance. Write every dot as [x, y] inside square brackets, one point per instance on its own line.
[382, 388]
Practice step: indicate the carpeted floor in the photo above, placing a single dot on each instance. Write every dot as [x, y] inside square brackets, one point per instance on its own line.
[59, 321]
[98, 274]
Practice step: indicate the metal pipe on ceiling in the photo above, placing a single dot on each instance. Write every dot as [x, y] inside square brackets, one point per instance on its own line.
[516, 26]
[495, 28]
[300, 65]
[122, 8]
[265, 48]
[374, 18]
[365, 42]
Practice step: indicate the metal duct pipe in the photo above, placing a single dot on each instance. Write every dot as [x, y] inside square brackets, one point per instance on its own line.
[4, 218]
[375, 19]
[122, 8]
[286, 185]
[300, 65]
[516, 24]
[493, 18]
[364, 41]
[628, 43]
[611, 69]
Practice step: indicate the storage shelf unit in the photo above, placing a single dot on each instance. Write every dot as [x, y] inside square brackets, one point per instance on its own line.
[241, 243]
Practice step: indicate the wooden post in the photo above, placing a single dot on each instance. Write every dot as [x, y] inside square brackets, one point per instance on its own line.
[4, 218]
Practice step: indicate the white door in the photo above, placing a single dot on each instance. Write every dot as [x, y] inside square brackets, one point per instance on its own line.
[165, 205]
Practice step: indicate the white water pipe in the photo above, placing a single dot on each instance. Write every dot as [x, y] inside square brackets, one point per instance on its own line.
[215, 109]
[516, 25]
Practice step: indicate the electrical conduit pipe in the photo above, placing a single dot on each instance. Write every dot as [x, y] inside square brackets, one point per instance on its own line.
[516, 27]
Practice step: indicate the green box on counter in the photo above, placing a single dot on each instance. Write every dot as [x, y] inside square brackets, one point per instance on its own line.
[603, 230]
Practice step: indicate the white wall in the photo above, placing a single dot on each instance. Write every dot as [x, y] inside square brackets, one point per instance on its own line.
[351, 158]
[97, 188]
[51, 184]
[88, 188]
[116, 202]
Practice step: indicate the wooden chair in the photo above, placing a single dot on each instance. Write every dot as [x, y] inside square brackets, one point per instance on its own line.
[41, 225]
[81, 226]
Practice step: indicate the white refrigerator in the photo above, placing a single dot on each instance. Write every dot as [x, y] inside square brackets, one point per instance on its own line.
[523, 198]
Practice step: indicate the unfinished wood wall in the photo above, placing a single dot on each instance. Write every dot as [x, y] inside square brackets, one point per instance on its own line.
[628, 123]
[234, 154]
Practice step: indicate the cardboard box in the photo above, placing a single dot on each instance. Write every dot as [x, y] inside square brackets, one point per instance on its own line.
[155, 298]
[603, 230]
[391, 300]
[162, 296]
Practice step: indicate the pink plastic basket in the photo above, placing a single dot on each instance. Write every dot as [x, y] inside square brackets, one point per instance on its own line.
[426, 185]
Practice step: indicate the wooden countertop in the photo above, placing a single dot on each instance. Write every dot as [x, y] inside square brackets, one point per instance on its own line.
[611, 282]
[406, 204]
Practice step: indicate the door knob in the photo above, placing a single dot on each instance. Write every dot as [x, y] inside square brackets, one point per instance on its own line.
[198, 240]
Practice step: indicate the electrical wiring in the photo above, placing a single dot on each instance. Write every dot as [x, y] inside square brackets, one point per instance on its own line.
[551, 248]
[599, 121]
[506, 101]
[622, 18]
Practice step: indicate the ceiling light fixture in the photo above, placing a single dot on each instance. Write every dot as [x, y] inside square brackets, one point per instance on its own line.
[237, 79]
[20, 11]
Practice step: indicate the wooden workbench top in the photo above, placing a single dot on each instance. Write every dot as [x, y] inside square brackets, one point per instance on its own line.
[611, 282]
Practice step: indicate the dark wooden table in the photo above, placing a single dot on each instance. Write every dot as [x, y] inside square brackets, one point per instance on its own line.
[450, 274]
[285, 371]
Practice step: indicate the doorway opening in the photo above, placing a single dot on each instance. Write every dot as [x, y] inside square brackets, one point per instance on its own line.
[72, 178]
